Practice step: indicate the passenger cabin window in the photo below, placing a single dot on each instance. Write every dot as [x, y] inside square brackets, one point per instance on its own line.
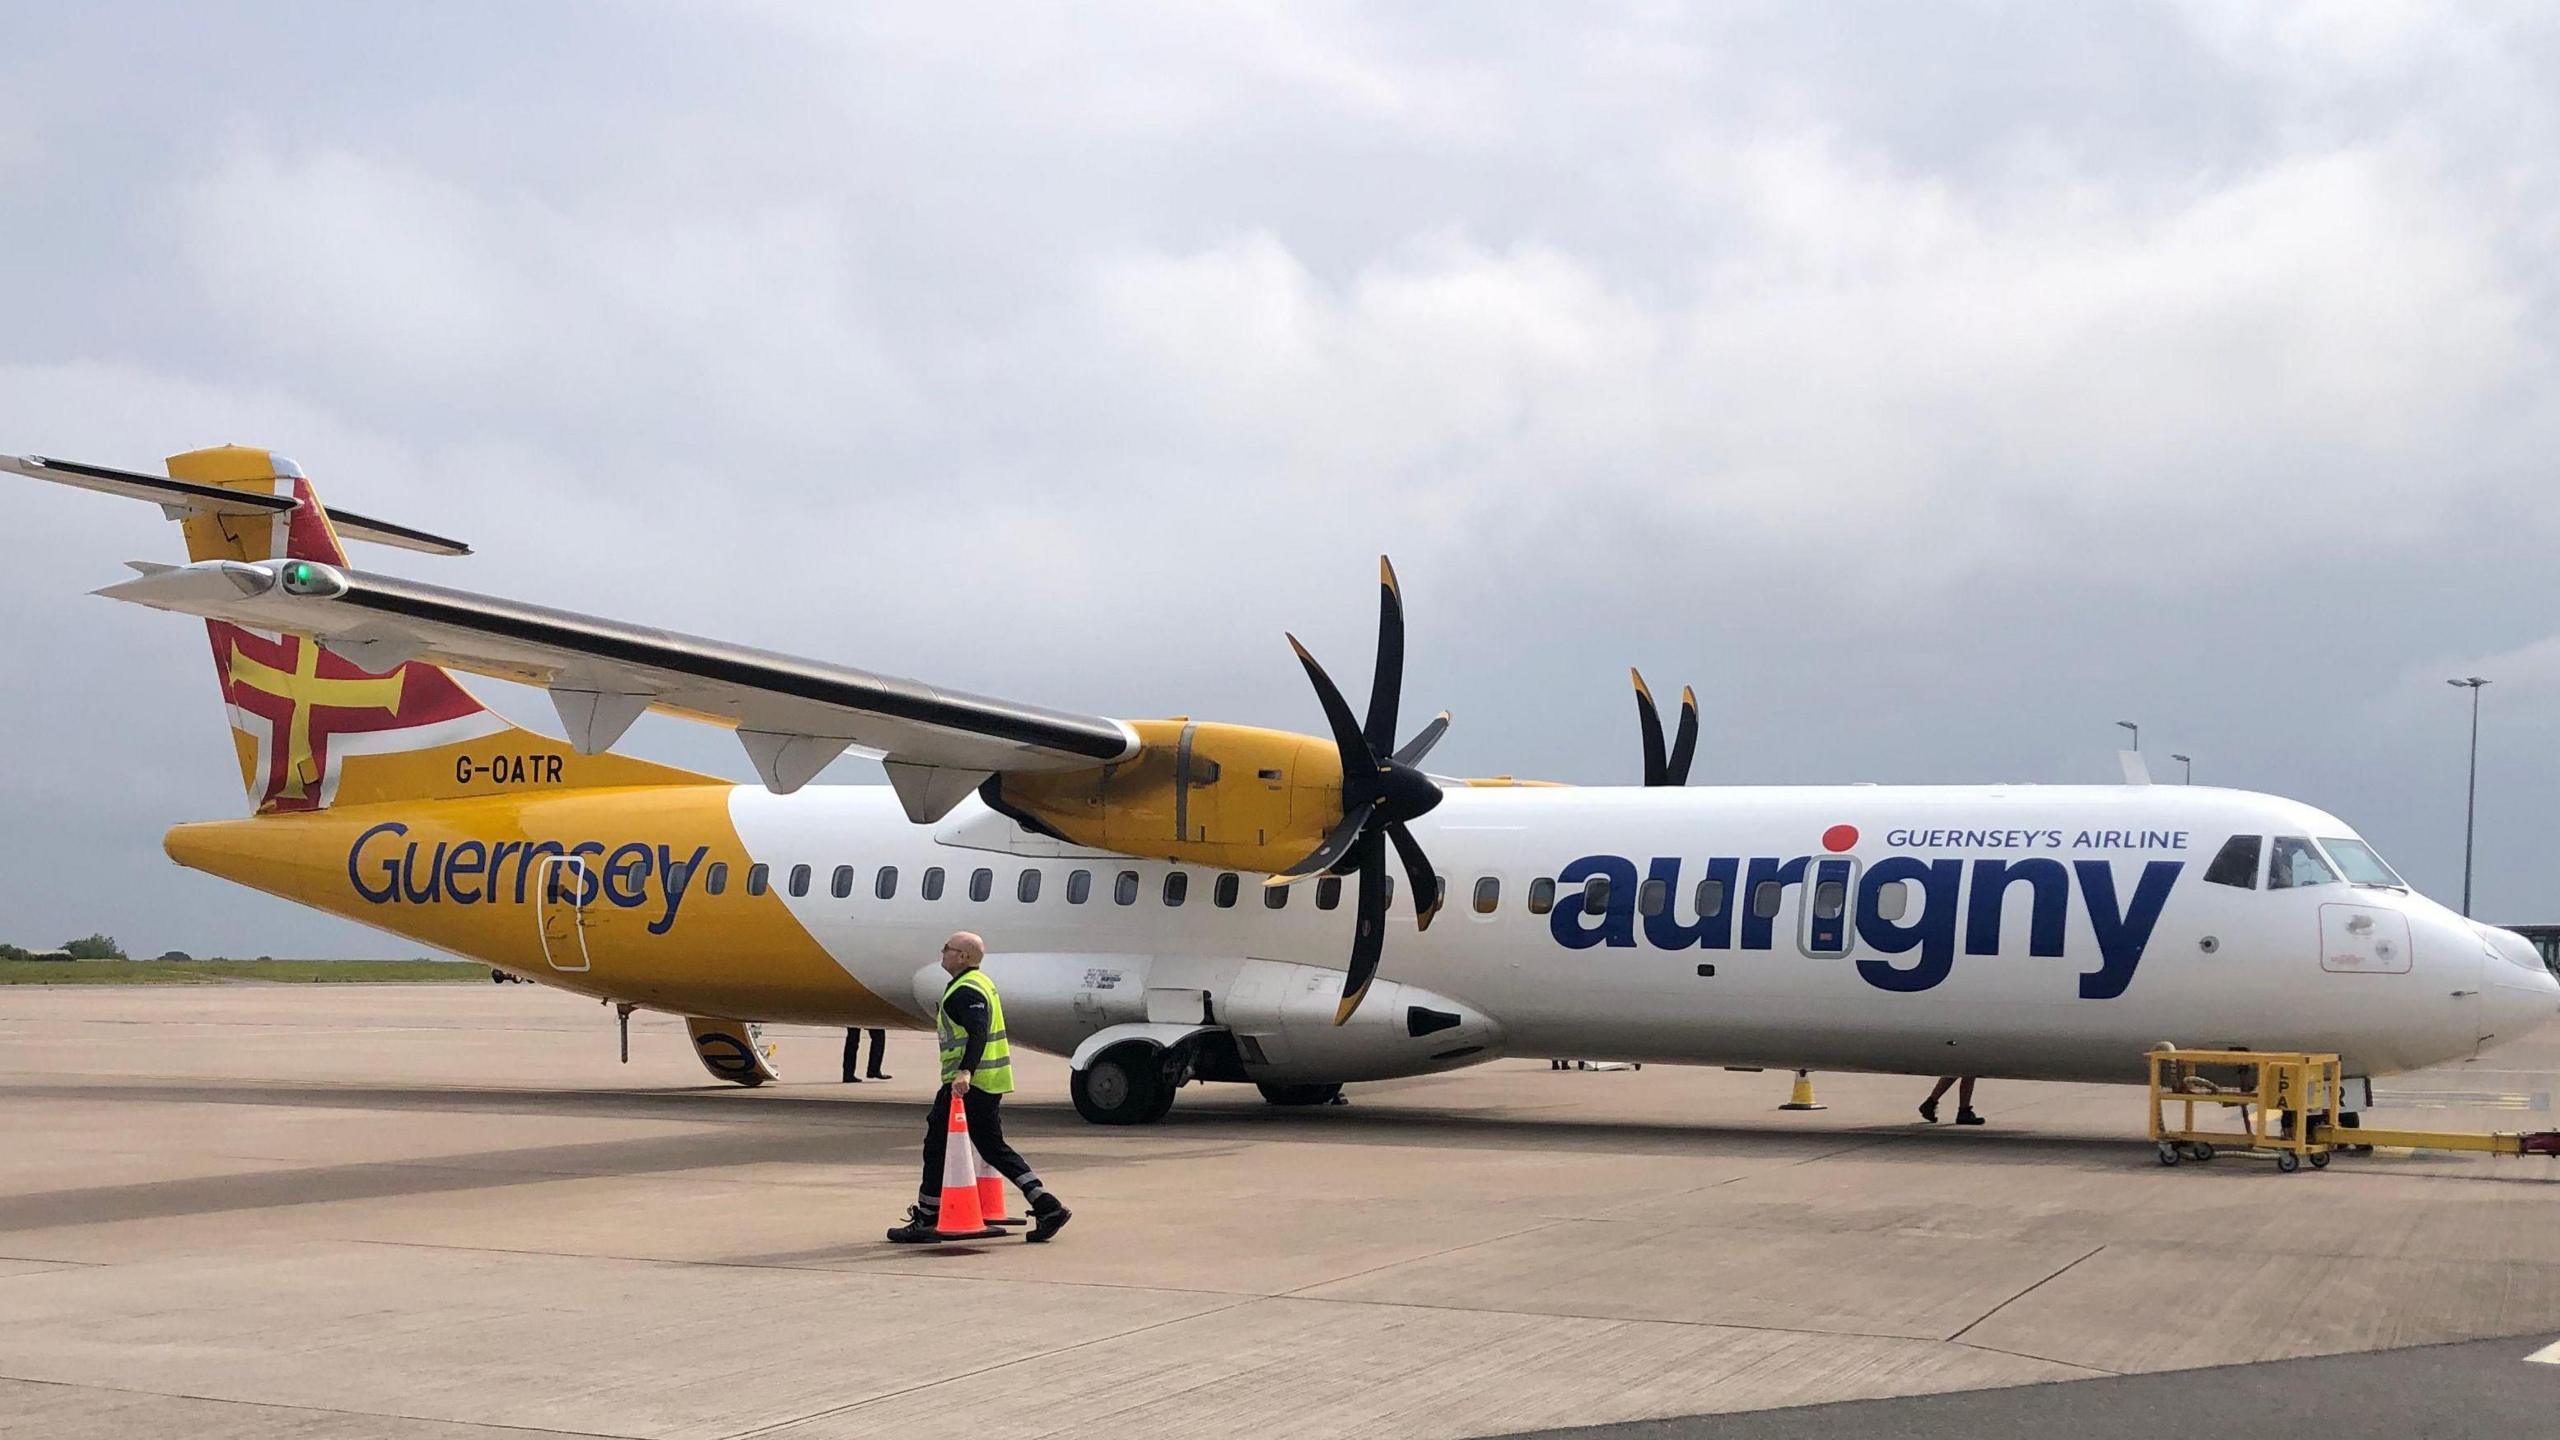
[931, 889]
[1653, 897]
[1710, 899]
[1488, 895]
[1329, 892]
[840, 884]
[1542, 895]
[1829, 899]
[1595, 895]
[716, 879]
[799, 880]
[1767, 898]
[1079, 886]
[886, 887]
[1177, 887]
[1275, 897]
[1892, 900]
[982, 883]
[759, 878]
[1226, 890]
[1027, 888]
[2360, 865]
[2235, 864]
[1124, 891]
[2293, 863]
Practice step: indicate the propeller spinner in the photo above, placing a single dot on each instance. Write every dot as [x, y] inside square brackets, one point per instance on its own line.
[1673, 770]
[1381, 790]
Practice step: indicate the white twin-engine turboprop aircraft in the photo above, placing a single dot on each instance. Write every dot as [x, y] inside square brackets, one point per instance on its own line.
[1173, 901]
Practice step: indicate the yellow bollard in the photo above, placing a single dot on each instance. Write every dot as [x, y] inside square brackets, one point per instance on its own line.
[1802, 1098]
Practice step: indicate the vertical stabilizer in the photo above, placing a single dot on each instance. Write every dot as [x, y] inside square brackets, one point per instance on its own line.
[354, 722]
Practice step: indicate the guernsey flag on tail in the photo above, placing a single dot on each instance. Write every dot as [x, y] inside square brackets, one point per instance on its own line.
[314, 728]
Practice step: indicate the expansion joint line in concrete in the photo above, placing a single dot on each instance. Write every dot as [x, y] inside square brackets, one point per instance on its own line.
[492, 1425]
[852, 1405]
[1300, 1292]
[920, 1272]
[1958, 1337]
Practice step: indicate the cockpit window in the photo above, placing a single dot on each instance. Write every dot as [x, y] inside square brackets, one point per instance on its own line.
[2356, 860]
[2236, 864]
[2295, 863]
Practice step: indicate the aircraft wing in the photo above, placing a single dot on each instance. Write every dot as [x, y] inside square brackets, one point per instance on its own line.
[793, 715]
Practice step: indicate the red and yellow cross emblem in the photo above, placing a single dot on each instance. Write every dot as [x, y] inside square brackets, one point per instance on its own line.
[303, 689]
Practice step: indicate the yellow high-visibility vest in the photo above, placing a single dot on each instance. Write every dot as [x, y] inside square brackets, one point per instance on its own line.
[995, 1063]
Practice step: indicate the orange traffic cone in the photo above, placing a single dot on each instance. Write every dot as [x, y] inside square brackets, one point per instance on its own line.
[991, 1188]
[960, 1218]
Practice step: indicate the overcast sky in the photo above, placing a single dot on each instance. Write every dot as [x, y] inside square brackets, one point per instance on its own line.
[1931, 386]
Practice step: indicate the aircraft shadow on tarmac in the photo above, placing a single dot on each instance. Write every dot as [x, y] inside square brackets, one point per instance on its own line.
[742, 1128]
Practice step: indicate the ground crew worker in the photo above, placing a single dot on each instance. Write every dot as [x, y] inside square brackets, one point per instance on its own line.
[1964, 1100]
[977, 1066]
[853, 1056]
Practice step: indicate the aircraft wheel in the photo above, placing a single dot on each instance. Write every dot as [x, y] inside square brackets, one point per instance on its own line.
[1300, 1094]
[2168, 1153]
[2287, 1162]
[1121, 1087]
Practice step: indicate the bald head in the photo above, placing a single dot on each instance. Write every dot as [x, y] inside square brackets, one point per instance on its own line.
[962, 951]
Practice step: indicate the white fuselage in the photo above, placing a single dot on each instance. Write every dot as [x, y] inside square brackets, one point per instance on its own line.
[2042, 932]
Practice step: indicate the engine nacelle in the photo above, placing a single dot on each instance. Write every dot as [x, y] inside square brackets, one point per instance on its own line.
[1279, 1014]
[1230, 796]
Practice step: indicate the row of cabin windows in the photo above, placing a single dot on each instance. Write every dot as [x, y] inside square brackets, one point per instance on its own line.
[1653, 897]
[1026, 886]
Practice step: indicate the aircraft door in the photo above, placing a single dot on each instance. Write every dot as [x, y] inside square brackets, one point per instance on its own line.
[1829, 906]
[564, 883]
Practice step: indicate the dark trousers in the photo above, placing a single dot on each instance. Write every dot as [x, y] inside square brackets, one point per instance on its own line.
[853, 1053]
[987, 1130]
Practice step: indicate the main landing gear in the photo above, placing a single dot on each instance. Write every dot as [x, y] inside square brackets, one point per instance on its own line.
[1124, 1085]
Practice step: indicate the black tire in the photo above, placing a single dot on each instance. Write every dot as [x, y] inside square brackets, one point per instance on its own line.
[1300, 1094]
[2168, 1153]
[2287, 1162]
[1123, 1086]
[2201, 1151]
[2320, 1160]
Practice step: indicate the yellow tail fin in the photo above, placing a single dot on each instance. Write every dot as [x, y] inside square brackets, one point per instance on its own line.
[313, 728]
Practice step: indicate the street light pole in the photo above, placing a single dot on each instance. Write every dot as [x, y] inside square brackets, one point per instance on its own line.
[2471, 793]
[2137, 734]
[2188, 775]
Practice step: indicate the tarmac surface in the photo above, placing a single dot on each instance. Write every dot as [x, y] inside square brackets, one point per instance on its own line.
[446, 1211]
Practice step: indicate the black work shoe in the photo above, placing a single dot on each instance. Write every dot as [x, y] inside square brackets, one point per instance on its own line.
[1967, 1117]
[1048, 1221]
[918, 1230]
[853, 1079]
[1929, 1111]
[876, 1075]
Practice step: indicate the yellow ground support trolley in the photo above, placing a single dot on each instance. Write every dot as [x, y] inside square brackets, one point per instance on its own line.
[2276, 1083]
[2297, 1097]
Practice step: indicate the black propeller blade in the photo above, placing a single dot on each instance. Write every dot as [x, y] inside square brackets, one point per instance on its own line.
[1659, 769]
[1381, 790]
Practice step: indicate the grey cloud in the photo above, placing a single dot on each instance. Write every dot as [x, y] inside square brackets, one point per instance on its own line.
[1934, 388]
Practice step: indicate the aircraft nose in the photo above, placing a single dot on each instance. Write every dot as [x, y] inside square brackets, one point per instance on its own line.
[2519, 994]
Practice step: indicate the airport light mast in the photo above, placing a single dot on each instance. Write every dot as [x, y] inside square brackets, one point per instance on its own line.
[2471, 795]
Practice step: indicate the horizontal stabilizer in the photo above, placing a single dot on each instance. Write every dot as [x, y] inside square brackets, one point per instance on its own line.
[186, 499]
[793, 715]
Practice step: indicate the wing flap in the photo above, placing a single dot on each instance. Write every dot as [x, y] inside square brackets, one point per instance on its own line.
[794, 715]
